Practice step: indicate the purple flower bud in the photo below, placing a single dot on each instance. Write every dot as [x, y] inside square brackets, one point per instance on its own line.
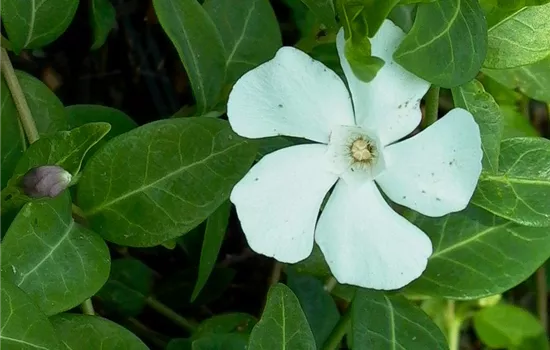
[45, 181]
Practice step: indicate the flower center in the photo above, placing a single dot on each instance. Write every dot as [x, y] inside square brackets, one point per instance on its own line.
[355, 153]
[362, 150]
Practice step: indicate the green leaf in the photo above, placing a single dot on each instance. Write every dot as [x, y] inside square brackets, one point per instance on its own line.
[13, 142]
[324, 11]
[356, 18]
[516, 124]
[46, 109]
[249, 31]
[48, 114]
[472, 97]
[160, 180]
[103, 19]
[129, 283]
[477, 254]
[385, 321]
[508, 326]
[447, 43]
[221, 342]
[520, 38]
[68, 264]
[319, 307]
[86, 332]
[532, 80]
[199, 46]
[283, 324]
[226, 323]
[214, 233]
[32, 24]
[65, 148]
[519, 191]
[24, 327]
[78, 115]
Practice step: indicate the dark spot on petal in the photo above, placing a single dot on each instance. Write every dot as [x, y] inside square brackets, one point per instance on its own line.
[423, 191]
[404, 197]
[256, 179]
[280, 105]
[433, 174]
[400, 106]
[438, 199]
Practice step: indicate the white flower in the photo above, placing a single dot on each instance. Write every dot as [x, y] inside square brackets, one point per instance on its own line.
[364, 241]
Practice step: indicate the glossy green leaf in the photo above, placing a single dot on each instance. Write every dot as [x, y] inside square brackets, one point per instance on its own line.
[323, 10]
[510, 327]
[78, 115]
[214, 233]
[516, 124]
[355, 18]
[221, 342]
[103, 19]
[24, 326]
[447, 43]
[130, 283]
[384, 321]
[403, 16]
[477, 254]
[226, 323]
[472, 97]
[160, 180]
[318, 306]
[533, 80]
[32, 24]
[283, 324]
[68, 263]
[519, 191]
[249, 31]
[47, 110]
[13, 141]
[86, 332]
[199, 46]
[520, 38]
[65, 148]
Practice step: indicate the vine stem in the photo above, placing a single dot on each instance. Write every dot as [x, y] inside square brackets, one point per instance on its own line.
[453, 326]
[335, 337]
[330, 284]
[275, 273]
[542, 296]
[25, 114]
[170, 314]
[87, 307]
[432, 107]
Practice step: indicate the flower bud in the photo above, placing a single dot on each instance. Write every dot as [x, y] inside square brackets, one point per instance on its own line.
[45, 181]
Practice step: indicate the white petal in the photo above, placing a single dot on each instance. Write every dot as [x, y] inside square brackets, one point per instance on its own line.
[278, 201]
[366, 243]
[291, 95]
[390, 102]
[436, 171]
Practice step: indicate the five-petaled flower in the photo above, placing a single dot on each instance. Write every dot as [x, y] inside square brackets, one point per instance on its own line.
[358, 147]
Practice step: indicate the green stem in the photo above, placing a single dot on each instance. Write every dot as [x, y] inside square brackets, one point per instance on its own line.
[542, 296]
[453, 326]
[87, 307]
[432, 107]
[330, 284]
[5, 43]
[170, 314]
[18, 97]
[335, 337]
